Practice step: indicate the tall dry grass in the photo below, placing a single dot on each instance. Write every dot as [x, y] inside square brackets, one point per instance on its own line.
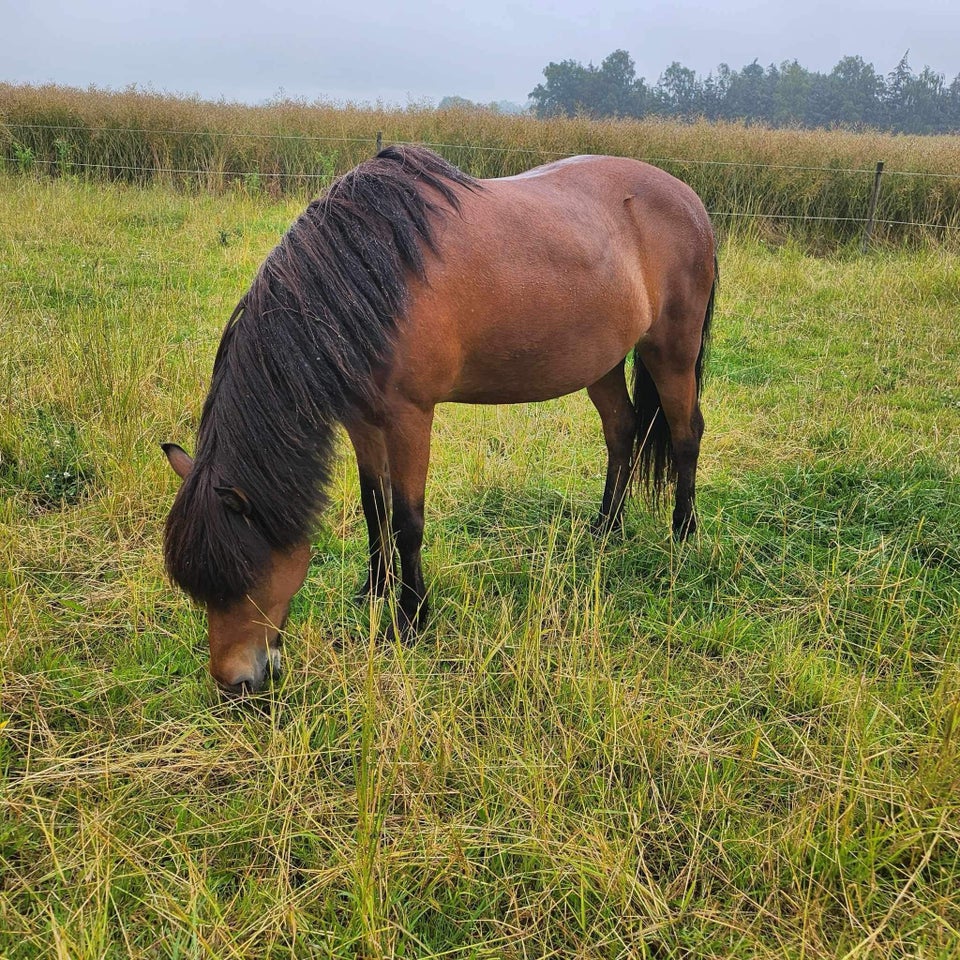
[798, 181]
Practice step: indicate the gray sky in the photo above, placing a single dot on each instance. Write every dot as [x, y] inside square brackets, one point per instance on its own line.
[371, 50]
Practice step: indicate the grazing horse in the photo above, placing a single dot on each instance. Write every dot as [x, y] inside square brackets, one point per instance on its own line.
[411, 284]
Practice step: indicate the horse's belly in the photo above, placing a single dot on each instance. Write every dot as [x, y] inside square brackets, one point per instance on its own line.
[544, 363]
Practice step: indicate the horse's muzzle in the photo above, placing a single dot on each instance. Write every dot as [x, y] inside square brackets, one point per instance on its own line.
[268, 668]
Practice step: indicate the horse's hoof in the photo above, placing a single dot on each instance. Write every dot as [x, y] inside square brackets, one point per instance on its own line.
[402, 632]
[599, 528]
[379, 591]
[604, 527]
[408, 624]
[685, 529]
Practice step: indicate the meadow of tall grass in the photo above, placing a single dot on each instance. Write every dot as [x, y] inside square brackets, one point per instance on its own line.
[806, 183]
[747, 746]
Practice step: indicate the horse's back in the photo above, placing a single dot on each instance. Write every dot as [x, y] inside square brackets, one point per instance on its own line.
[606, 183]
[596, 212]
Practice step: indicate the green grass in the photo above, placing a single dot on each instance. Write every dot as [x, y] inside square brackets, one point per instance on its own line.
[744, 747]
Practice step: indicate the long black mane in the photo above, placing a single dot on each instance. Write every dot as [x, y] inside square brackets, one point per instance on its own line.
[301, 350]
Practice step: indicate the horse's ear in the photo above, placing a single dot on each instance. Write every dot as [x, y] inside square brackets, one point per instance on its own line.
[180, 460]
[234, 499]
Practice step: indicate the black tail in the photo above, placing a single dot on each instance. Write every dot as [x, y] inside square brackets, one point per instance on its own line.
[655, 466]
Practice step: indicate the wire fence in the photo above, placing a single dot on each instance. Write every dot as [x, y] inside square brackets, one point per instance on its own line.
[744, 214]
[291, 169]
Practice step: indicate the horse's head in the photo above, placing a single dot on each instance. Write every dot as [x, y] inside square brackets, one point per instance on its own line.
[244, 633]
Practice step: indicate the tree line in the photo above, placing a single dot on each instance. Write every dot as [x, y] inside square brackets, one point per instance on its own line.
[852, 94]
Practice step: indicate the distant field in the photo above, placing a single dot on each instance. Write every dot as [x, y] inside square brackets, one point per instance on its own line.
[745, 747]
[813, 185]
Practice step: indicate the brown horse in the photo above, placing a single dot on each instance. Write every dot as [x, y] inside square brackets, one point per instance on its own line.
[410, 284]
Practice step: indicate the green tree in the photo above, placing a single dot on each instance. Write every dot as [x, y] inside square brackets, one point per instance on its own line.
[619, 92]
[750, 94]
[680, 91]
[852, 93]
[953, 105]
[566, 91]
[791, 96]
[608, 90]
[896, 95]
[929, 103]
[715, 90]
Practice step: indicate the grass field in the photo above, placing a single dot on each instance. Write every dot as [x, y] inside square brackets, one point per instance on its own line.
[745, 747]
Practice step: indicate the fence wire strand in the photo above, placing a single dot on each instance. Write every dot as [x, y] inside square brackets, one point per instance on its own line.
[180, 171]
[188, 133]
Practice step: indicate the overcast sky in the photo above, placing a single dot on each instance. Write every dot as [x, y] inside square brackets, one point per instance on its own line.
[423, 50]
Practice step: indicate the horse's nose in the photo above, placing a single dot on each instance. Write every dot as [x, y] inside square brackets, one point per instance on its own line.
[246, 672]
[240, 688]
[240, 683]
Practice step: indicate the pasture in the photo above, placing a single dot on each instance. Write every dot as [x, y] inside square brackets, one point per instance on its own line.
[745, 746]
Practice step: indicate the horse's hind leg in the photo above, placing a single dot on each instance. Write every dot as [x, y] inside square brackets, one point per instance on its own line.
[371, 450]
[686, 451]
[673, 370]
[407, 433]
[610, 397]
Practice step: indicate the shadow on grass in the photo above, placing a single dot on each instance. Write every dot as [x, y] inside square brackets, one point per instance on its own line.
[861, 553]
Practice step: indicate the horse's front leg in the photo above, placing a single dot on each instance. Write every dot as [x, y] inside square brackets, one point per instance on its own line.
[370, 447]
[407, 429]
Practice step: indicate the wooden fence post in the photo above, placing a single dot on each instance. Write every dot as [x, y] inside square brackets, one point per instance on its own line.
[871, 211]
[379, 140]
